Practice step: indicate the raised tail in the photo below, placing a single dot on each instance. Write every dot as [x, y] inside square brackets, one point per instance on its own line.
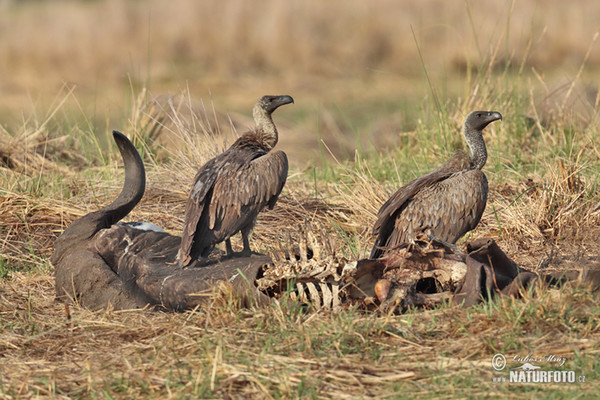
[135, 182]
[133, 189]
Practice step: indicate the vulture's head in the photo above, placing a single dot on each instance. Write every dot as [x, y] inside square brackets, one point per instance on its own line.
[477, 120]
[271, 103]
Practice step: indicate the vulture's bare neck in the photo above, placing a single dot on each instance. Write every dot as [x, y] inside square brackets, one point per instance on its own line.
[265, 130]
[476, 143]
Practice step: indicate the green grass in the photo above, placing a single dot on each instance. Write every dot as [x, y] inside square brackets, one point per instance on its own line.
[283, 351]
[4, 269]
[543, 169]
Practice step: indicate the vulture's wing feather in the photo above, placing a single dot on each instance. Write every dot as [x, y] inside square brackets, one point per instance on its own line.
[397, 201]
[244, 192]
[385, 225]
[197, 200]
[449, 209]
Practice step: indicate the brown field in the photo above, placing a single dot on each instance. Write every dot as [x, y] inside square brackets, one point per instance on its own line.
[381, 88]
[354, 68]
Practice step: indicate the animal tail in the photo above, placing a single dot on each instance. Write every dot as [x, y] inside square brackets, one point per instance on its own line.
[135, 182]
[133, 189]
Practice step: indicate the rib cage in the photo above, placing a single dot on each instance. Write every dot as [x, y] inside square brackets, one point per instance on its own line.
[308, 268]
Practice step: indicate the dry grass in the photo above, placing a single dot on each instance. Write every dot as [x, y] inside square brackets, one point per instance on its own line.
[298, 37]
[342, 61]
[354, 69]
[220, 350]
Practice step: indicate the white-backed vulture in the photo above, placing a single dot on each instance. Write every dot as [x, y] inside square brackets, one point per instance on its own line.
[445, 203]
[231, 189]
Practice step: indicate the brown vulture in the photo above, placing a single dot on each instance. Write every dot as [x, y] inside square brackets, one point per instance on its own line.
[445, 203]
[231, 189]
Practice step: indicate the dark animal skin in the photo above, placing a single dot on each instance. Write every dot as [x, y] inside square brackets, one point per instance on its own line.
[99, 263]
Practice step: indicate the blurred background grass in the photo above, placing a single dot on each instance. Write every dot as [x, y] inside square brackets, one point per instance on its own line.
[384, 86]
[358, 70]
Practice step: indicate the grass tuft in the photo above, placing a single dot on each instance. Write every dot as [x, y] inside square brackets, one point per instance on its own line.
[59, 163]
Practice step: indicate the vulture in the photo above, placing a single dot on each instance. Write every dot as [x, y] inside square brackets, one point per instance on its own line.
[445, 203]
[231, 189]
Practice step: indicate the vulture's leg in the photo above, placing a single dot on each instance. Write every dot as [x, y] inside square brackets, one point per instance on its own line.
[228, 247]
[454, 248]
[245, 233]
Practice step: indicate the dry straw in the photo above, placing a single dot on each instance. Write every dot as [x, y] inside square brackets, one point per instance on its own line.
[544, 209]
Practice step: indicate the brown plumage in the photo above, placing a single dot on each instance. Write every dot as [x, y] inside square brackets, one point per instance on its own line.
[231, 189]
[446, 203]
